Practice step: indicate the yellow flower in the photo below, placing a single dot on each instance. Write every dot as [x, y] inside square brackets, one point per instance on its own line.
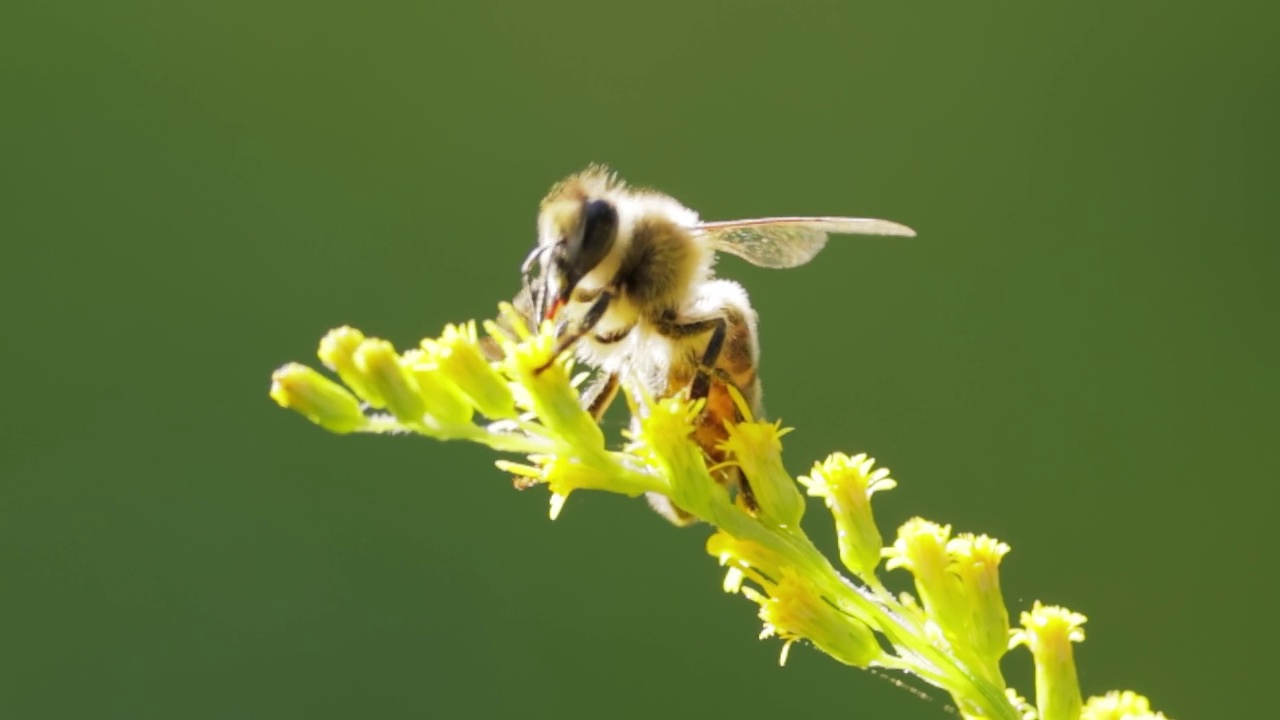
[1117, 705]
[760, 563]
[563, 474]
[757, 448]
[551, 396]
[846, 485]
[1048, 632]
[959, 584]
[921, 548]
[975, 560]
[663, 440]
[794, 610]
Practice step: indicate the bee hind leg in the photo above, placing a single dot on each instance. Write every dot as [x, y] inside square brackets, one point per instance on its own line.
[700, 389]
[701, 385]
[669, 327]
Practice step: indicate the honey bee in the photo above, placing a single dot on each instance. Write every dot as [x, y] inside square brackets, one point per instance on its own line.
[627, 276]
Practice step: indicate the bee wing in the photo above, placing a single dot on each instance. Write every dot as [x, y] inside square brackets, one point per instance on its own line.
[784, 242]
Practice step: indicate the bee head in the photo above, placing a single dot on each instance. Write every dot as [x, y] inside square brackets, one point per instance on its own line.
[576, 235]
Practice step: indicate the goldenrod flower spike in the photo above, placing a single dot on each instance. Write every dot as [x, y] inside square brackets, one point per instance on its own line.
[523, 401]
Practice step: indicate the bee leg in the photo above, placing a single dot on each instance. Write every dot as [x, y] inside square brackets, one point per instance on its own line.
[701, 388]
[599, 396]
[718, 327]
[584, 326]
[662, 505]
[701, 385]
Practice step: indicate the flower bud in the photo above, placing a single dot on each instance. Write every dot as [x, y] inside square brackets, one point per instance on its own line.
[382, 372]
[337, 352]
[458, 355]
[319, 399]
[443, 400]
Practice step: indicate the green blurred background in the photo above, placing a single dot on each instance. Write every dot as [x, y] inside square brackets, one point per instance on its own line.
[1077, 355]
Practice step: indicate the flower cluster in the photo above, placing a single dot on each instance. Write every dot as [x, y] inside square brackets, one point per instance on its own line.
[508, 392]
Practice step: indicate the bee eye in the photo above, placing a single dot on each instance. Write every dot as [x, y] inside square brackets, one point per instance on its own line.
[600, 222]
[599, 228]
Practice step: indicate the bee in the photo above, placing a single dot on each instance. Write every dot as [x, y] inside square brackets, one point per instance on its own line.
[626, 274]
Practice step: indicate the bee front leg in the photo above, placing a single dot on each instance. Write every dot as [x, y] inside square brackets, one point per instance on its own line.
[584, 326]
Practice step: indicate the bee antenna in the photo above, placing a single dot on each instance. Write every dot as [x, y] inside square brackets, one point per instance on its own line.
[527, 267]
[537, 290]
